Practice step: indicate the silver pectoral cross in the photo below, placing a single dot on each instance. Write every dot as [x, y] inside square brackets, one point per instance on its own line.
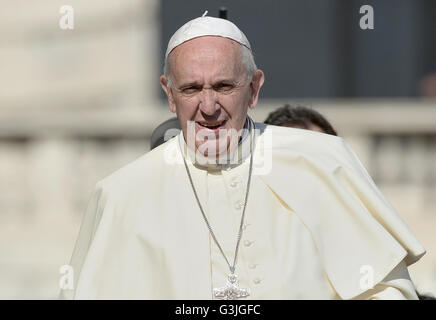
[231, 290]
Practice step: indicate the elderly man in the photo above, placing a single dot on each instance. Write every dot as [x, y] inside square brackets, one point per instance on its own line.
[232, 209]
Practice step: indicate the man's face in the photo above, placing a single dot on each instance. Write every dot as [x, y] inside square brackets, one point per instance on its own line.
[211, 89]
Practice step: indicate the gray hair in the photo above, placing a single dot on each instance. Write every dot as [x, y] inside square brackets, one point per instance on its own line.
[246, 57]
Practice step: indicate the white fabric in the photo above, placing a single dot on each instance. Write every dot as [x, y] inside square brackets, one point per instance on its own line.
[312, 222]
[206, 26]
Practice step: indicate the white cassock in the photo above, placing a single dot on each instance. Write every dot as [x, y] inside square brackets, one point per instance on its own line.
[316, 226]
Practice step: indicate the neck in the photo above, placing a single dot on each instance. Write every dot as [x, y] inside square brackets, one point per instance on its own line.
[233, 157]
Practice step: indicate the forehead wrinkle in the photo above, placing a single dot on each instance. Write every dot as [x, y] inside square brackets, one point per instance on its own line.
[194, 59]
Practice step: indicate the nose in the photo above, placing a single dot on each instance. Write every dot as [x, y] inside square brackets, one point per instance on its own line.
[208, 101]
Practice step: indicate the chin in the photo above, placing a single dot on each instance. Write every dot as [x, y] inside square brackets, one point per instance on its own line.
[213, 149]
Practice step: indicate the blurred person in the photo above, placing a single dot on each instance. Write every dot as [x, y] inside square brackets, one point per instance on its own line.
[427, 84]
[300, 117]
[233, 209]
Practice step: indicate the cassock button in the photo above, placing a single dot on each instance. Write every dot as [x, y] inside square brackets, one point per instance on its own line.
[247, 243]
[235, 182]
[257, 280]
[239, 205]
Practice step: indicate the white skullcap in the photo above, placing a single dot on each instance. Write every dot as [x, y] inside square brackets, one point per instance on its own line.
[206, 26]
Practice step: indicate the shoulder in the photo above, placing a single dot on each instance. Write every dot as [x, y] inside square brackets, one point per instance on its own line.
[140, 172]
[302, 141]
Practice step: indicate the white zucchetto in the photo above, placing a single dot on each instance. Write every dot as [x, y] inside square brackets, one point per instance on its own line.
[206, 26]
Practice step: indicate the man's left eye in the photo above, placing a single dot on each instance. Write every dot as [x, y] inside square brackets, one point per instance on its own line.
[224, 87]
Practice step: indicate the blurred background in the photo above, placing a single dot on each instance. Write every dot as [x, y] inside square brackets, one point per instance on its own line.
[77, 104]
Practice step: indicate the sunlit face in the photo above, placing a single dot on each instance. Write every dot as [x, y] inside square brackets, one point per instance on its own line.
[314, 127]
[310, 126]
[210, 91]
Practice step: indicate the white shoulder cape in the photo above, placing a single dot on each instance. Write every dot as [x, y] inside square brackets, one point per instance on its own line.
[143, 237]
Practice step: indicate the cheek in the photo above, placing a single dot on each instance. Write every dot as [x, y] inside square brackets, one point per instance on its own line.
[239, 108]
[186, 108]
[234, 104]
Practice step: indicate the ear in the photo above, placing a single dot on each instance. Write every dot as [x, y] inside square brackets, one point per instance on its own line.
[256, 83]
[169, 93]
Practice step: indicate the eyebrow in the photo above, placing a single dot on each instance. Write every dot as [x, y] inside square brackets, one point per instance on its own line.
[189, 84]
[195, 83]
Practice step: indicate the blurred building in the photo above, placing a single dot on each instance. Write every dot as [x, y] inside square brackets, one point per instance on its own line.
[75, 105]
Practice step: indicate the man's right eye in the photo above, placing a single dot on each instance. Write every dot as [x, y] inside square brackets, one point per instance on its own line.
[190, 90]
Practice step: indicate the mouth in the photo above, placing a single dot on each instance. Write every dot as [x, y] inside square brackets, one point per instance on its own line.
[211, 125]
